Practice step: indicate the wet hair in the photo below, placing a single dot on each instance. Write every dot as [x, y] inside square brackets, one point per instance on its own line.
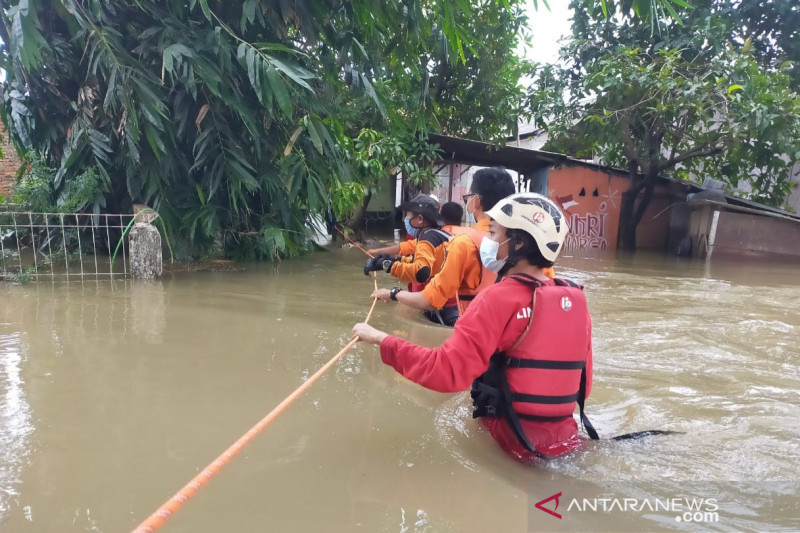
[529, 251]
[492, 184]
[451, 213]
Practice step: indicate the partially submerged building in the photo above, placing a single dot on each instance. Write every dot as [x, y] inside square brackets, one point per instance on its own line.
[678, 219]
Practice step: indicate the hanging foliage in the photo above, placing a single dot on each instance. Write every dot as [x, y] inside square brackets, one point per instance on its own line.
[237, 120]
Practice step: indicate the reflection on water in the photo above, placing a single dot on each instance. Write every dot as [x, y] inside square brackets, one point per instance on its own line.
[15, 423]
[112, 396]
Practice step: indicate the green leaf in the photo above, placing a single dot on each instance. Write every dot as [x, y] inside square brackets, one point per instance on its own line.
[206, 10]
[248, 13]
[296, 73]
[280, 91]
[733, 88]
[672, 12]
[371, 92]
[155, 142]
[278, 47]
[100, 145]
[173, 52]
[314, 131]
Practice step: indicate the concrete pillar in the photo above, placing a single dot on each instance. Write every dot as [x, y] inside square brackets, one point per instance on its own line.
[145, 251]
[538, 180]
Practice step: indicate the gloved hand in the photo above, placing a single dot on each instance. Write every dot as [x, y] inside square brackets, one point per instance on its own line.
[389, 261]
[374, 264]
[380, 262]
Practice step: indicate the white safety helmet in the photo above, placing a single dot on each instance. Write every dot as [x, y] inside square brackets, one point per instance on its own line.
[537, 216]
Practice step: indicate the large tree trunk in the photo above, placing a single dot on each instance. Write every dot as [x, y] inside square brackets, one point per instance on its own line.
[627, 228]
[632, 209]
[354, 223]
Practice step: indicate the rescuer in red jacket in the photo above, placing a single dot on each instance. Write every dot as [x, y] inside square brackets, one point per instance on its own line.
[524, 345]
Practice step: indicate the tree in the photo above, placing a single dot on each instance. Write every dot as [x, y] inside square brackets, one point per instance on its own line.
[237, 120]
[652, 11]
[772, 27]
[699, 98]
[721, 116]
[376, 156]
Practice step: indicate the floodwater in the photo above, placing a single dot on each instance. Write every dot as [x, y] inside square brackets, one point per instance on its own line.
[113, 396]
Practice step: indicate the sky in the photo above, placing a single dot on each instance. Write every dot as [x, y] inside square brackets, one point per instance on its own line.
[547, 28]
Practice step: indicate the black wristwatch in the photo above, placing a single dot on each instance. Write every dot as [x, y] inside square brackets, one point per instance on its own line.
[387, 265]
[393, 293]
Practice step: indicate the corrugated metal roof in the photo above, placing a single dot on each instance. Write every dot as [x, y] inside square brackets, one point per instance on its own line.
[485, 155]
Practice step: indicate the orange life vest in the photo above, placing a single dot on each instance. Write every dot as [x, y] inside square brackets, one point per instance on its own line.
[465, 295]
[439, 238]
[542, 377]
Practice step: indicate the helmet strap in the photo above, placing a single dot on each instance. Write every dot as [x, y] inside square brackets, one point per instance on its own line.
[515, 254]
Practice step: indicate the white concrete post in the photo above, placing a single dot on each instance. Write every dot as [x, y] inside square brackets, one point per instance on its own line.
[145, 251]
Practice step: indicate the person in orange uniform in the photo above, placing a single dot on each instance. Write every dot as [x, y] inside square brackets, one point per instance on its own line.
[462, 276]
[423, 222]
[451, 213]
[524, 344]
[406, 247]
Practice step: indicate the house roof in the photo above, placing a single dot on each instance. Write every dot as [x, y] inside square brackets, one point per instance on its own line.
[522, 160]
[525, 160]
[759, 209]
[481, 154]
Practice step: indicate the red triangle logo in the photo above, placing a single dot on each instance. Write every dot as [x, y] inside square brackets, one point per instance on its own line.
[541, 507]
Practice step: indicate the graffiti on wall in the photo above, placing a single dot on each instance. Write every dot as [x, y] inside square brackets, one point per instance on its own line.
[588, 230]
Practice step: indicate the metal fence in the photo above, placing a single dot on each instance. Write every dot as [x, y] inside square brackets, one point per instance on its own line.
[62, 246]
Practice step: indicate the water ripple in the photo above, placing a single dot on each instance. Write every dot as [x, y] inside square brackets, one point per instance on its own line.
[15, 422]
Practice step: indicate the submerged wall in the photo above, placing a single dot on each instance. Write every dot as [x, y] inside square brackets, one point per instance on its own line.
[746, 233]
[722, 231]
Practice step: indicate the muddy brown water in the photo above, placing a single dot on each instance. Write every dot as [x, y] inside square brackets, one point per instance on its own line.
[113, 396]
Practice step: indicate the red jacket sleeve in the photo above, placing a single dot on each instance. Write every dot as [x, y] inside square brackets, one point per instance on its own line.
[453, 366]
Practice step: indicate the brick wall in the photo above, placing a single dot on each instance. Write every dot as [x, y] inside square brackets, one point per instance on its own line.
[9, 164]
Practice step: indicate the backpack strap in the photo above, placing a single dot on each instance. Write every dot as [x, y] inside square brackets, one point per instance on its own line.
[561, 282]
[435, 236]
[581, 400]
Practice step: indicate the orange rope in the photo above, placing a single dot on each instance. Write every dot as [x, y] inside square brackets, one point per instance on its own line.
[355, 244]
[173, 505]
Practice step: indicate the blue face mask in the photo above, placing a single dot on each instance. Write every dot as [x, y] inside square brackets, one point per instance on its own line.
[411, 230]
[470, 214]
[471, 218]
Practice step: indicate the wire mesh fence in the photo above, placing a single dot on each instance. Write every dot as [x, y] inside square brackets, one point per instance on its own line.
[62, 246]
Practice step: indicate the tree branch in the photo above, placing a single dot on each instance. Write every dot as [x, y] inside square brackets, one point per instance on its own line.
[701, 151]
[627, 140]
